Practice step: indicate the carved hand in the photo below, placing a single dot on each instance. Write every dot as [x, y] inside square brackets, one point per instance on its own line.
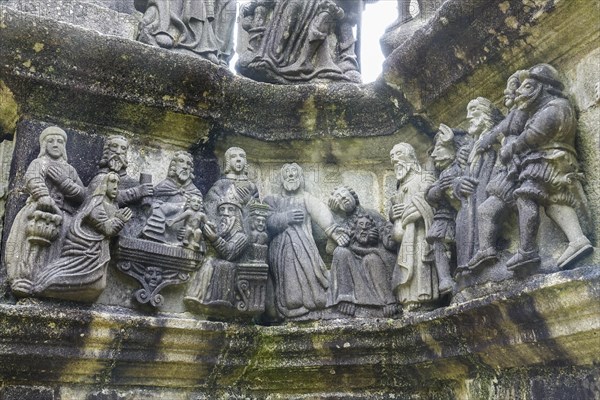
[467, 186]
[124, 214]
[397, 211]
[55, 174]
[506, 153]
[373, 235]
[341, 237]
[210, 232]
[170, 222]
[47, 203]
[295, 216]
[410, 216]
[146, 189]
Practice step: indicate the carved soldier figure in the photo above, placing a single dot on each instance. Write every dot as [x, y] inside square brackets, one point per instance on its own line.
[300, 276]
[55, 193]
[548, 168]
[414, 279]
[471, 186]
[236, 176]
[503, 184]
[442, 233]
[169, 199]
[80, 272]
[184, 25]
[214, 284]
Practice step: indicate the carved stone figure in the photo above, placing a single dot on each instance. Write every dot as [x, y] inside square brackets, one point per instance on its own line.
[236, 176]
[548, 170]
[180, 25]
[442, 233]
[295, 45]
[214, 284]
[503, 184]
[55, 192]
[471, 186]
[170, 197]
[257, 232]
[194, 220]
[224, 26]
[80, 272]
[414, 279]
[300, 276]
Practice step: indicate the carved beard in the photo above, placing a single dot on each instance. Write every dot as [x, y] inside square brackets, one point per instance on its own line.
[183, 175]
[401, 171]
[225, 225]
[524, 102]
[291, 185]
[362, 237]
[117, 162]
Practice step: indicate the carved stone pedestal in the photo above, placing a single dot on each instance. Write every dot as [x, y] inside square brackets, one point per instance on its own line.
[250, 282]
[155, 266]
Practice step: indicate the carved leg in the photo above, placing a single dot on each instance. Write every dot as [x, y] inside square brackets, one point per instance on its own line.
[566, 219]
[442, 265]
[529, 222]
[488, 216]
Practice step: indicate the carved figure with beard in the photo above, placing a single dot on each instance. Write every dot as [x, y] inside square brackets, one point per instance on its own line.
[442, 233]
[215, 282]
[470, 188]
[414, 278]
[170, 197]
[548, 170]
[299, 274]
[361, 273]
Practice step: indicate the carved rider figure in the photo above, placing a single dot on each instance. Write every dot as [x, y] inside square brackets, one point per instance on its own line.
[55, 193]
[170, 197]
[414, 279]
[548, 169]
[300, 276]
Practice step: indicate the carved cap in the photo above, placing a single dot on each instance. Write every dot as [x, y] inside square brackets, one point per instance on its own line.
[258, 208]
[546, 73]
[53, 130]
[230, 197]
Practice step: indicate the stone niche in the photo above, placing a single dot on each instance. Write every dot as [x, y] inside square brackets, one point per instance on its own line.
[140, 321]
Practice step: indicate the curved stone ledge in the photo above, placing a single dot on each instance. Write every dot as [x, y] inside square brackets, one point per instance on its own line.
[549, 320]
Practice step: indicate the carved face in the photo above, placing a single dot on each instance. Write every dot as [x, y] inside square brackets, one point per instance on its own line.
[401, 160]
[291, 178]
[228, 214]
[363, 227]
[476, 118]
[344, 200]
[443, 153]
[227, 210]
[259, 223]
[153, 276]
[528, 93]
[182, 168]
[510, 93]
[55, 146]
[112, 186]
[117, 151]
[196, 203]
[237, 160]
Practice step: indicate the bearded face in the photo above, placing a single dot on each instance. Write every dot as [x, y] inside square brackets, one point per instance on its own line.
[291, 176]
[362, 230]
[115, 154]
[476, 119]
[510, 93]
[443, 154]
[402, 162]
[181, 168]
[529, 91]
[228, 214]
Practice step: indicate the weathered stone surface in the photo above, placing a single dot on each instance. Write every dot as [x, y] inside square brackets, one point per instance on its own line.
[539, 338]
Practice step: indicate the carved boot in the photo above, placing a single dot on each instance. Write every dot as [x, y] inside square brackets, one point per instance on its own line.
[483, 258]
[523, 259]
[577, 249]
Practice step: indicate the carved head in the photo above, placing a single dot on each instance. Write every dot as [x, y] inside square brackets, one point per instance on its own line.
[258, 215]
[53, 142]
[229, 221]
[363, 225]
[512, 84]
[482, 116]
[258, 223]
[292, 177]
[540, 81]
[235, 161]
[181, 167]
[109, 186]
[114, 153]
[404, 159]
[194, 202]
[444, 151]
[153, 276]
[344, 199]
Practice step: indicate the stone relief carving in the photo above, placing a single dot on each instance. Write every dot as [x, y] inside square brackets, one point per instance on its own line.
[292, 41]
[55, 193]
[414, 278]
[200, 27]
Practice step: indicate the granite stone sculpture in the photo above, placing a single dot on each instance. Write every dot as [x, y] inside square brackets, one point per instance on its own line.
[194, 220]
[548, 169]
[37, 233]
[471, 186]
[235, 175]
[224, 27]
[299, 41]
[414, 279]
[80, 271]
[182, 25]
[214, 285]
[300, 276]
[440, 195]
